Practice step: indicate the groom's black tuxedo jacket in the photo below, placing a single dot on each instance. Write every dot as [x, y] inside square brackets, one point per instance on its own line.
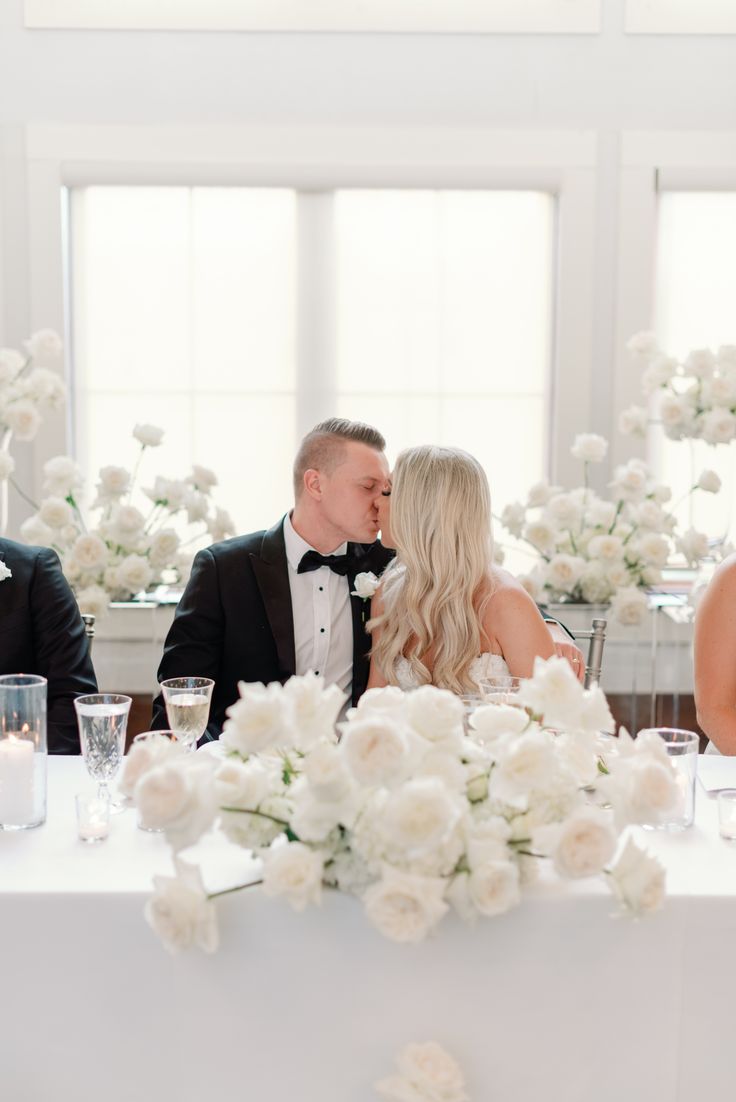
[42, 632]
[234, 621]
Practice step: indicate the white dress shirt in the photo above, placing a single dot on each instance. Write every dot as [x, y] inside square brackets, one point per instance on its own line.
[323, 619]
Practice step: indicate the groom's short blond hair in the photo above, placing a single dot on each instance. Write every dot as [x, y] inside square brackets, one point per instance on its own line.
[322, 449]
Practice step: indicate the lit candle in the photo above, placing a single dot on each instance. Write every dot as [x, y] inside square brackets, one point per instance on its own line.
[16, 781]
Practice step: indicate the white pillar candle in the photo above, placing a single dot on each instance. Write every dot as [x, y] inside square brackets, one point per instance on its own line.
[16, 781]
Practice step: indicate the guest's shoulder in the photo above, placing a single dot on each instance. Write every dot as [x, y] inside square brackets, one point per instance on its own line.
[26, 554]
[236, 546]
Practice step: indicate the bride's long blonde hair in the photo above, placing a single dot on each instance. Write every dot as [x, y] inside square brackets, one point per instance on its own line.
[435, 591]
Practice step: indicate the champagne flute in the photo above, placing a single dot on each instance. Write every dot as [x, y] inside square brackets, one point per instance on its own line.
[187, 701]
[103, 720]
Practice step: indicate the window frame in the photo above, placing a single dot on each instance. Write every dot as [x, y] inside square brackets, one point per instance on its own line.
[319, 159]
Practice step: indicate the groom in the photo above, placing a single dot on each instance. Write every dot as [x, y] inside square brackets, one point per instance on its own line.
[268, 605]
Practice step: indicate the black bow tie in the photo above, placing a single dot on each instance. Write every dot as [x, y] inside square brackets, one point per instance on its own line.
[312, 560]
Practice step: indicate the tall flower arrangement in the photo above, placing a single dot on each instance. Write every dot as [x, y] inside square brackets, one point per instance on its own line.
[693, 398]
[406, 811]
[29, 384]
[120, 548]
[596, 550]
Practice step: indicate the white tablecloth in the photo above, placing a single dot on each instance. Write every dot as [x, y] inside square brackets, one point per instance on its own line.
[555, 1001]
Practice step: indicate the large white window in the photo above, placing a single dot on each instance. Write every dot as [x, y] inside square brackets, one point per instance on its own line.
[237, 317]
[694, 308]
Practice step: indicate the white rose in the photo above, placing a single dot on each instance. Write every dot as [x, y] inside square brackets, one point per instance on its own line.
[563, 572]
[221, 525]
[658, 374]
[34, 531]
[43, 387]
[7, 465]
[629, 606]
[375, 747]
[203, 478]
[541, 535]
[366, 585]
[144, 755]
[62, 476]
[633, 421]
[405, 907]
[675, 410]
[595, 584]
[315, 708]
[693, 545]
[727, 355]
[258, 720]
[630, 481]
[721, 390]
[540, 493]
[128, 520]
[56, 512]
[293, 871]
[163, 547]
[608, 548]
[177, 796]
[134, 573]
[389, 700]
[427, 1074]
[586, 843]
[149, 436]
[589, 447]
[718, 426]
[197, 506]
[241, 784]
[643, 344]
[113, 483]
[649, 515]
[161, 795]
[709, 481]
[420, 815]
[638, 880]
[554, 693]
[436, 714]
[563, 509]
[5, 572]
[11, 362]
[180, 912]
[513, 518]
[44, 344]
[653, 549]
[23, 419]
[528, 763]
[324, 768]
[494, 887]
[490, 721]
[93, 600]
[700, 363]
[168, 492]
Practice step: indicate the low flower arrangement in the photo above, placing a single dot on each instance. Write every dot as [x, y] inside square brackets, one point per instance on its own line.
[692, 399]
[407, 811]
[124, 549]
[590, 549]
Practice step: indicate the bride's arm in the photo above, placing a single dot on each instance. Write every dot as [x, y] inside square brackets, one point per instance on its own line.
[376, 680]
[516, 623]
[715, 658]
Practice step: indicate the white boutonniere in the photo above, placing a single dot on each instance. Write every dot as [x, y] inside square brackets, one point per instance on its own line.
[6, 572]
[366, 585]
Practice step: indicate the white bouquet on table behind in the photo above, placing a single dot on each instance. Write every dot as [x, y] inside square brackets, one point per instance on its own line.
[595, 550]
[406, 811]
[126, 549]
[693, 398]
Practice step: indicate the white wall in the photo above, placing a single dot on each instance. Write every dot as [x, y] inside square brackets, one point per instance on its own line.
[609, 83]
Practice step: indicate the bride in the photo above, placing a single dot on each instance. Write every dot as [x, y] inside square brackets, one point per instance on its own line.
[444, 614]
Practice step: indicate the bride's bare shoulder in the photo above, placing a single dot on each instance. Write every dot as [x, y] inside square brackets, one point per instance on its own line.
[508, 595]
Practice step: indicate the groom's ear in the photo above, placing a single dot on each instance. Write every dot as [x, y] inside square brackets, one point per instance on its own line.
[313, 484]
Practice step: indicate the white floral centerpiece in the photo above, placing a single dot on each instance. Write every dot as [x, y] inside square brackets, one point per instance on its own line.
[589, 549]
[29, 384]
[693, 398]
[124, 550]
[405, 811]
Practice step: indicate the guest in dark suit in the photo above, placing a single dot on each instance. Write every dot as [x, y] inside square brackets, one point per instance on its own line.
[268, 605]
[41, 632]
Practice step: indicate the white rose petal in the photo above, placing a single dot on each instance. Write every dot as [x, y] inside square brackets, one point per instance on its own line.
[23, 419]
[163, 547]
[405, 907]
[494, 887]
[293, 871]
[34, 531]
[427, 1074]
[203, 478]
[585, 845]
[134, 573]
[633, 421]
[638, 880]
[419, 815]
[44, 344]
[436, 714]
[629, 606]
[258, 720]
[180, 912]
[589, 447]
[56, 512]
[643, 344]
[62, 476]
[93, 599]
[709, 481]
[375, 747]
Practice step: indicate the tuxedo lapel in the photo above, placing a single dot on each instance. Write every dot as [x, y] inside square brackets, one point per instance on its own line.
[360, 608]
[272, 577]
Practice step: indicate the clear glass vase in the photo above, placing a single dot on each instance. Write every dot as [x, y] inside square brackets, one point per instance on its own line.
[22, 751]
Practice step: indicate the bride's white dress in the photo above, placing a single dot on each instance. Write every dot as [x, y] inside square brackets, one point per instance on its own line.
[484, 666]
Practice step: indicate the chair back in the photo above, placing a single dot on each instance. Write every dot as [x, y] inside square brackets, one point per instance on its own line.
[594, 664]
[89, 628]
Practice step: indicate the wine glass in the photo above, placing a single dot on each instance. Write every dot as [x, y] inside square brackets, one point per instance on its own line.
[103, 720]
[501, 689]
[187, 701]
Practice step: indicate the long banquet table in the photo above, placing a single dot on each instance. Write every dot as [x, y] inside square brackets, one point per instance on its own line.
[557, 1000]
